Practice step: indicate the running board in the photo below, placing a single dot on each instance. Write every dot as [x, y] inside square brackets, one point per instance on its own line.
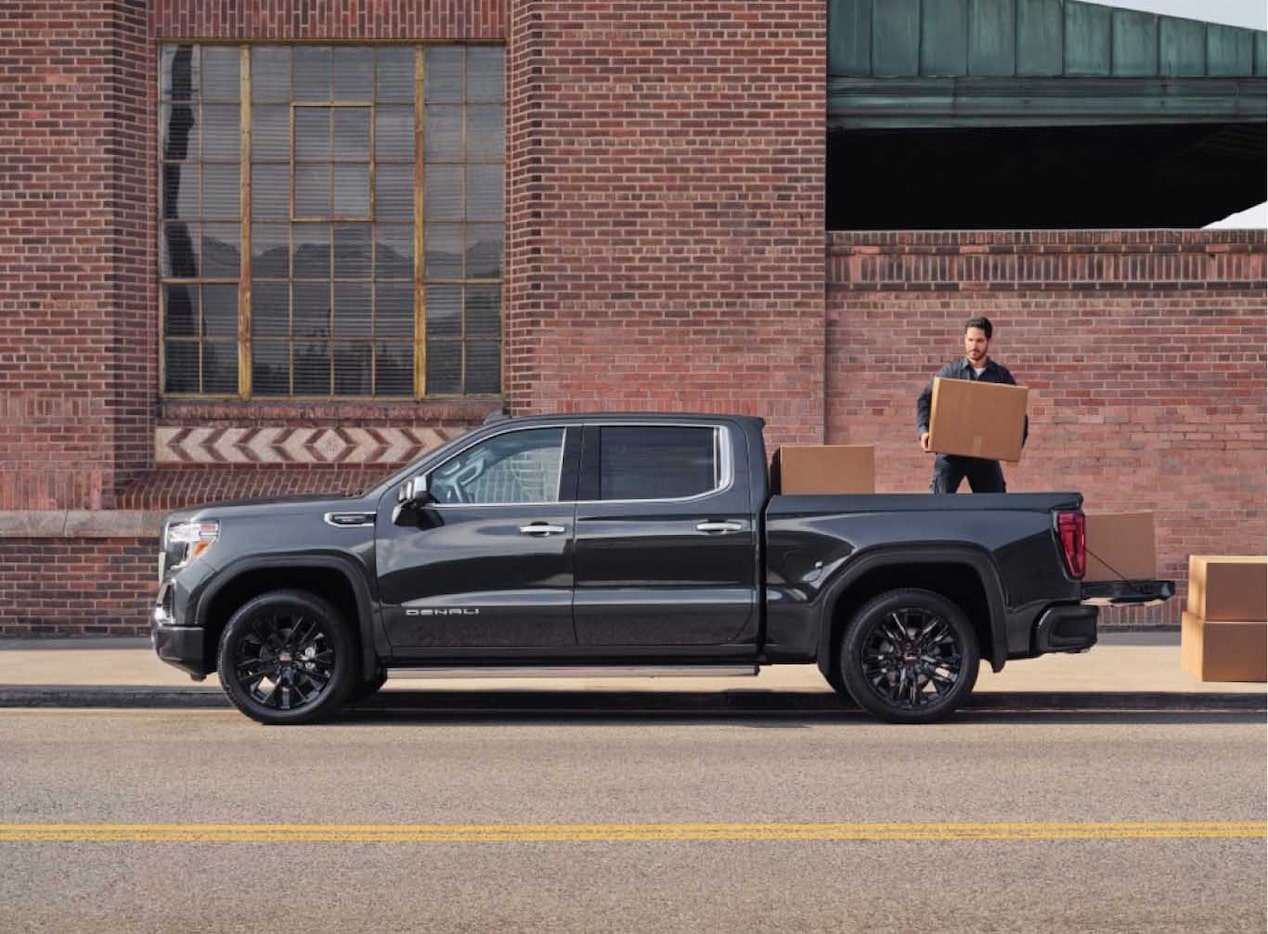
[607, 671]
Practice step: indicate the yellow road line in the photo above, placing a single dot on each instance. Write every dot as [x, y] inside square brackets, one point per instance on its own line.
[520, 833]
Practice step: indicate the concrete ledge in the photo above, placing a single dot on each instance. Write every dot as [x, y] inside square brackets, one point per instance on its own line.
[733, 702]
[80, 523]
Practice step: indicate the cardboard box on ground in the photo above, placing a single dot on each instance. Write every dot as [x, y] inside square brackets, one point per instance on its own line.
[1224, 630]
[976, 419]
[824, 468]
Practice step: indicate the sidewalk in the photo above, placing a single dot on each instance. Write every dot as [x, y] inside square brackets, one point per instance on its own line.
[1125, 670]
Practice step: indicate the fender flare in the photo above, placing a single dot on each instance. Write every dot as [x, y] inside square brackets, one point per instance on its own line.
[976, 559]
[344, 566]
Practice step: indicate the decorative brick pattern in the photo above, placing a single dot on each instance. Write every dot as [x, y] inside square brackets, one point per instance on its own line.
[1148, 383]
[297, 20]
[283, 446]
[665, 208]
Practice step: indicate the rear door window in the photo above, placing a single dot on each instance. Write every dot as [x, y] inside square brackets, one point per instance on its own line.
[640, 462]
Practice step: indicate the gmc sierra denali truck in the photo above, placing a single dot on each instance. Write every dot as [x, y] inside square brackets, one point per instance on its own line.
[623, 544]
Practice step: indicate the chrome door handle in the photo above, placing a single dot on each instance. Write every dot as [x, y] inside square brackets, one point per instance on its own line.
[541, 528]
[730, 525]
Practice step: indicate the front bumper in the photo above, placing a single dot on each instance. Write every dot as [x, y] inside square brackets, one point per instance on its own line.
[184, 647]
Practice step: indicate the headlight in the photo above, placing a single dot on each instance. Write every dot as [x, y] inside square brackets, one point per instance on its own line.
[195, 537]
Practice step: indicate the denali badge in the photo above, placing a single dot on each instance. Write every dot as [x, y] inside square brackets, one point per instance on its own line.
[461, 611]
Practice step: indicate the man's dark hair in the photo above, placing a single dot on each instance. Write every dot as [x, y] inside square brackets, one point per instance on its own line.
[983, 323]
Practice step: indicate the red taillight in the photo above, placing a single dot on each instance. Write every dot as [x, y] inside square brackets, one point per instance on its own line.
[1072, 530]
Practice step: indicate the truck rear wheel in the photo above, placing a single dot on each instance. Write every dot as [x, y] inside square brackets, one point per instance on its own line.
[287, 657]
[909, 656]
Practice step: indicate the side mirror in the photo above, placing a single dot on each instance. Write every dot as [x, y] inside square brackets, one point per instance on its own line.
[414, 492]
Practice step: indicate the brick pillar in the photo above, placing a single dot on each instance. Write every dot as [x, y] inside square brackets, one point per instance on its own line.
[665, 209]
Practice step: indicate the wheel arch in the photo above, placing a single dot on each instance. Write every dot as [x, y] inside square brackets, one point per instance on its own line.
[239, 582]
[964, 575]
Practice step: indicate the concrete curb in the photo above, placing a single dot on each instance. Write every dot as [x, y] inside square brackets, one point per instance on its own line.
[733, 702]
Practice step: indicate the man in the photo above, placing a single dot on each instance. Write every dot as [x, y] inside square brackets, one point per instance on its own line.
[985, 476]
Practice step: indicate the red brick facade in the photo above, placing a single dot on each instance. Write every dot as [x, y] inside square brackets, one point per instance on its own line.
[665, 250]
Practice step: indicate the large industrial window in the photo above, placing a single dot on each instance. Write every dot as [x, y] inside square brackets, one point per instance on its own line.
[332, 220]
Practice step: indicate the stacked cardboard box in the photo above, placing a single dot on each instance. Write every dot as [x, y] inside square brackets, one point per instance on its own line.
[1224, 631]
[824, 468]
[977, 419]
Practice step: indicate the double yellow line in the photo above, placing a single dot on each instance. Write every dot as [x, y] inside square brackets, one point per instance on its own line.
[567, 833]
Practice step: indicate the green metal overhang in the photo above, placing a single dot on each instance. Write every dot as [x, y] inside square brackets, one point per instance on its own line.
[916, 64]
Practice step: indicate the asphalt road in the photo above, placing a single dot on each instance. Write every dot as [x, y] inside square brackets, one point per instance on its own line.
[201, 820]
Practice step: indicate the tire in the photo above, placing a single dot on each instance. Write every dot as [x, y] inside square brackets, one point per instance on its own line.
[287, 657]
[910, 656]
[366, 689]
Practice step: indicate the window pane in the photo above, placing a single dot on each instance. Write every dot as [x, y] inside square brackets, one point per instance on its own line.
[181, 259]
[443, 250]
[655, 463]
[485, 136]
[484, 192]
[270, 251]
[485, 80]
[311, 251]
[353, 317]
[177, 125]
[271, 73]
[270, 132]
[444, 367]
[352, 133]
[270, 309]
[180, 190]
[312, 190]
[394, 309]
[393, 251]
[312, 133]
[220, 70]
[395, 76]
[180, 312]
[442, 133]
[484, 251]
[352, 190]
[394, 191]
[180, 367]
[353, 369]
[178, 66]
[312, 369]
[310, 314]
[222, 191]
[442, 74]
[311, 73]
[444, 310]
[442, 192]
[271, 192]
[221, 250]
[354, 73]
[484, 310]
[352, 251]
[220, 368]
[221, 131]
[484, 367]
[270, 369]
[394, 369]
[513, 467]
[220, 311]
[394, 134]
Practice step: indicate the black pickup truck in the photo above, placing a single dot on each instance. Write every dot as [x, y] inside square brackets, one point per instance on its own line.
[622, 544]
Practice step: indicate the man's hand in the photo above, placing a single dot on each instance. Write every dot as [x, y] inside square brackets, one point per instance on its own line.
[924, 441]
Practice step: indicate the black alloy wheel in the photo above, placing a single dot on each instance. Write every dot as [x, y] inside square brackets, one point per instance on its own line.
[910, 656]
[287, 657]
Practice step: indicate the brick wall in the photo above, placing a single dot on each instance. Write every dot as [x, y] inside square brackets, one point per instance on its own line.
[76, 335]
[665, 208]
[1144, 352]
[293, 20]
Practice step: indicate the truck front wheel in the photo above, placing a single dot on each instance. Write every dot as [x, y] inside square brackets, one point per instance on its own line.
[909, 656]
[287, 657]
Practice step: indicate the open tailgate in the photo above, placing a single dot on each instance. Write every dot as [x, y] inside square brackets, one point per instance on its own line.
[1127, 592]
